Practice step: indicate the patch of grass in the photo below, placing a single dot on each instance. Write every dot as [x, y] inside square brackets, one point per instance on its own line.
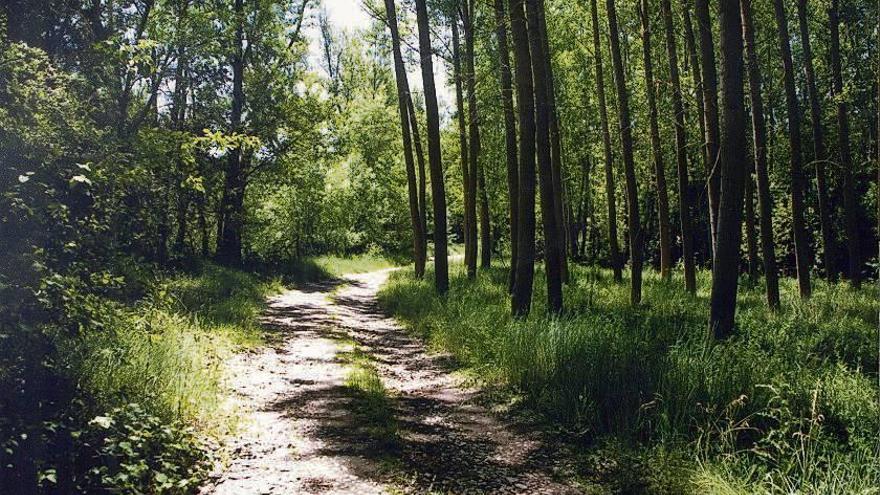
[371, 400]
[782, 405]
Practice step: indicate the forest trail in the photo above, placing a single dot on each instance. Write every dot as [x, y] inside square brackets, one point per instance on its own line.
[304, 431]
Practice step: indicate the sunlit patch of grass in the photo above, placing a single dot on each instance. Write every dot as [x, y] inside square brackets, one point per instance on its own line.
[646, 376]
[168, 351]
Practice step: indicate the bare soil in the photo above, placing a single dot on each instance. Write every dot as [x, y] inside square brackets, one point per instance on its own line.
[304, 430]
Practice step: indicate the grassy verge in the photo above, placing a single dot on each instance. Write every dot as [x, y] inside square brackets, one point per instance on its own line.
[789, 405]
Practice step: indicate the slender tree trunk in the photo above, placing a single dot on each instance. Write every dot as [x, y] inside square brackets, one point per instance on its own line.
[438, 190]
[656, 150]
[420, 157]
[820, 156]
[610, 188]
[553, 249]
[725, 272]
[684, 207]
[203, 226]
[525, 264]
[759, 128]
[474, 135]
[509, 134]
[751, 234]
[229, 244]
[402, 100]
[555, 140]
[485, 223]
[801, 247]
[705, 235]
[850, 203]
[710, 104]
[469, 261]
[632, 191]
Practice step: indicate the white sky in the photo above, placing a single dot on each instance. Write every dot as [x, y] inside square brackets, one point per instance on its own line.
[350, 15]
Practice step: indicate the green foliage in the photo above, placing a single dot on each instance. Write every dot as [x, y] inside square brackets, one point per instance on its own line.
[130, 399]
[788, 405]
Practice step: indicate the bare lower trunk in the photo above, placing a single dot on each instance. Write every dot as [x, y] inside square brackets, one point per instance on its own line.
[850, 203]
[474, 136]
[687, 240]
[820, 156]
[656, 150]
[759, 128]
[733, 169]
[469, 261]
[552, 242]
[629, 167]
[403, 107]
[438, 190]
[509, 134]
[799, 229]
[525, 263]
[710, 105]
[610, 189]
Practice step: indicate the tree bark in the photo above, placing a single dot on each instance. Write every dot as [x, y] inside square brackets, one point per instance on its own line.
[509, 134]
[229, 244]
[759, 129]
[801, 247]
[820, 156]
[733, 163]
[525, 263]
[751, 235]
[469, 260]
[555, 141]
[435, 160]
[402, 100]
[684, 207]
[632, 192]
[474, 142]
[610, 188]
[553, 245]
[850, 203]
[656, 149]
[710, 105]
[420, 158]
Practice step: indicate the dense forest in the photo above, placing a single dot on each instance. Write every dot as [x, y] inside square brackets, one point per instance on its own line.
[650, 226]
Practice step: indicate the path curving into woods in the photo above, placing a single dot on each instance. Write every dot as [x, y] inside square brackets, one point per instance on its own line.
[303, 430]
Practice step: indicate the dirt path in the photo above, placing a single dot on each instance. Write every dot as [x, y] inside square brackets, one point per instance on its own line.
[305, 431]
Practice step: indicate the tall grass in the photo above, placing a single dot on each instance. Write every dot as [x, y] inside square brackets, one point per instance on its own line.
[167, 352]
[791, 396]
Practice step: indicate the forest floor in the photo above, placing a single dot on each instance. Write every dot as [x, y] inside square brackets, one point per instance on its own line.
[343, 400]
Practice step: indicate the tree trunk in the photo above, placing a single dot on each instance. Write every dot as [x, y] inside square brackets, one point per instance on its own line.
[555, 141]
[509, 134]
[229, 244]
[474, 137]
[469, 261]
[820, 156]
[420, 157]
[525, 263]
[435, 160]
[801, 247]
[485, 223]
[632, 192]
[610, 188]
[710, 105]
[402, 101]
[751, 235]
[725, 272]
[656, 150]
[759, 128]
[553, 245]
[850, 203]
[684, 207]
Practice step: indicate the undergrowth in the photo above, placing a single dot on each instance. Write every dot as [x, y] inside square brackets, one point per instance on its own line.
[131, 401]
[789, 405]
